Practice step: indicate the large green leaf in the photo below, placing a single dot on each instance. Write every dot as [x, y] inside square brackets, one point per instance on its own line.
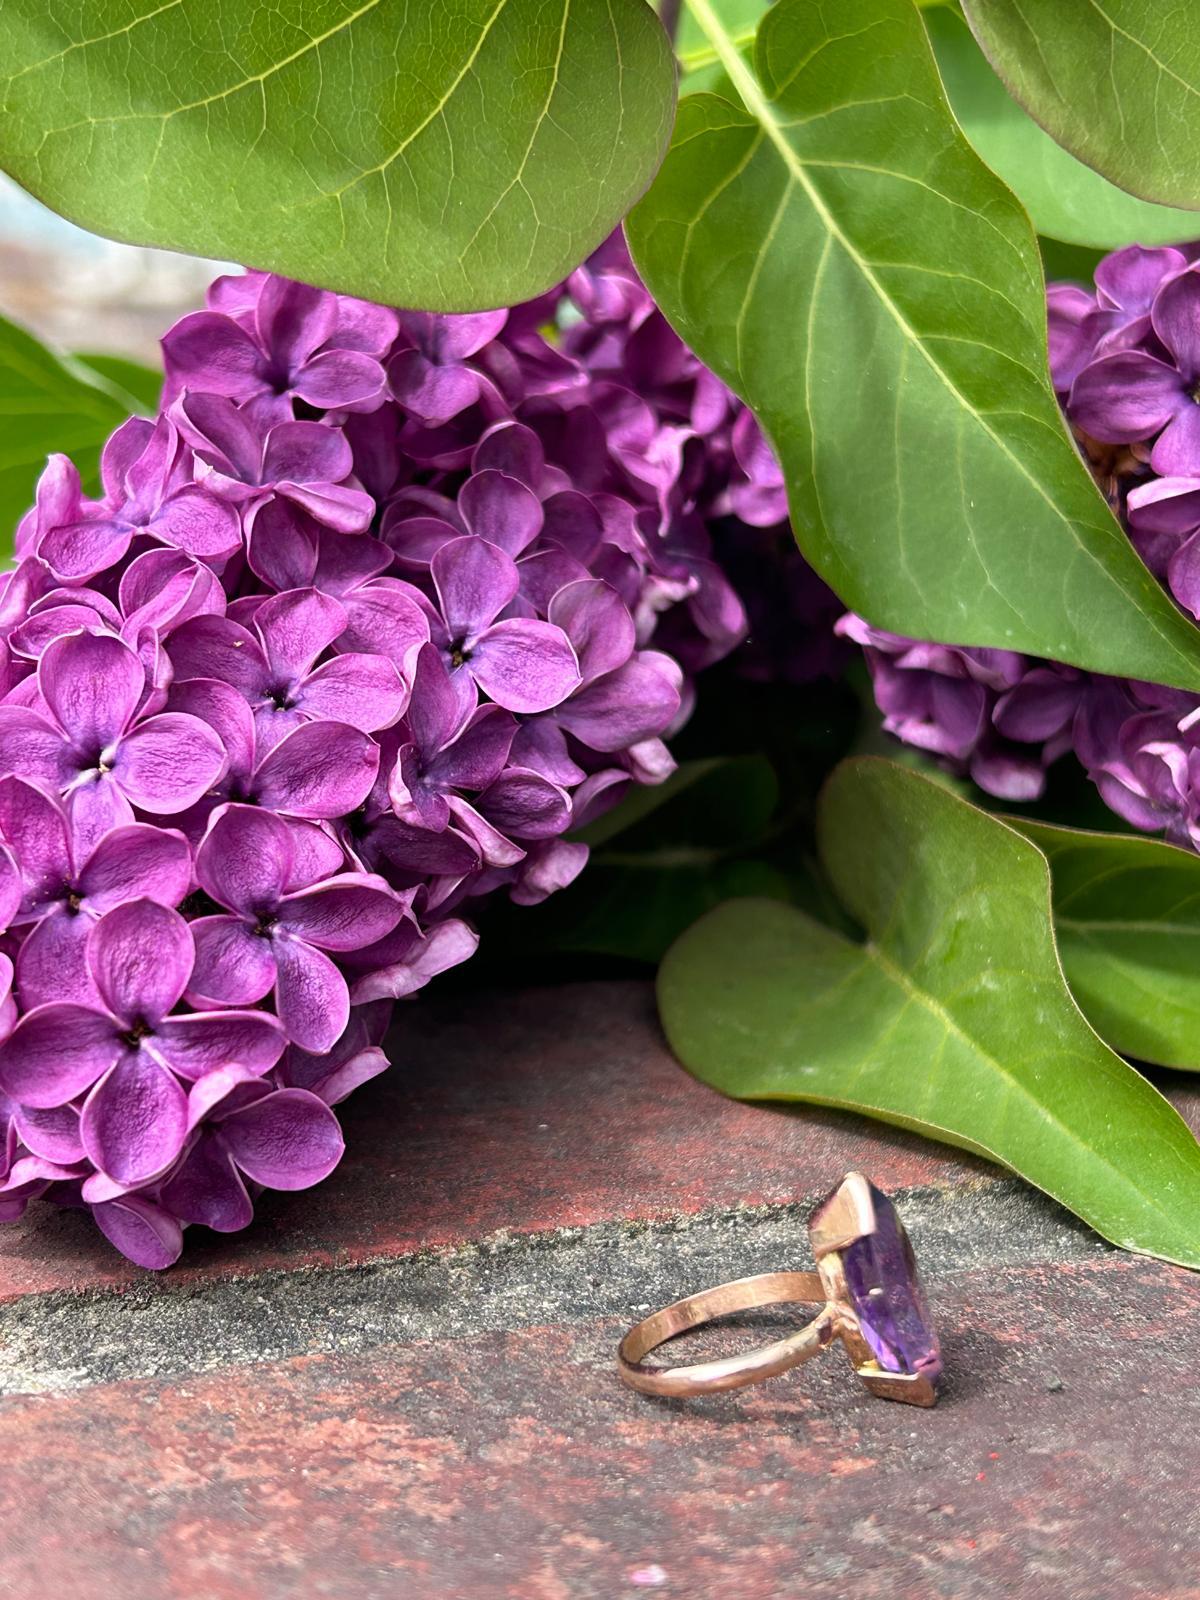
[1116, 83]
[448, 157]
[1127, 916]
[1065, 199]
[49, 403]
[839, 254]
[953, 1017]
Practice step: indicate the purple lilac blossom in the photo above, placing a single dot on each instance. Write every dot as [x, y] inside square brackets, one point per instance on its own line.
[1125, 361]
[378, 609]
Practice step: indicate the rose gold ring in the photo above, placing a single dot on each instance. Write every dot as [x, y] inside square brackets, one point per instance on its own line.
[870, 1295]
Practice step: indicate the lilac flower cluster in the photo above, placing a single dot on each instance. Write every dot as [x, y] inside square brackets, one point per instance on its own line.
[1125, 359]
[377, 610]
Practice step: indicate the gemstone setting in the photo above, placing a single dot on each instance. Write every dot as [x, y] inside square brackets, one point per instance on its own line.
[861, 1226]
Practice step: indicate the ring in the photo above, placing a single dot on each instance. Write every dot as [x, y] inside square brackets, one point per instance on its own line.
[870, 1295]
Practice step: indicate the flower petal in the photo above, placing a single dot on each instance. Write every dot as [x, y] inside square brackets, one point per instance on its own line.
[334, 505]
[410, 965]
[145, 1233]
[474, 582]
[323, 769]
[365, 691]
[597, 622]
[524, 805]
[208, 1189]
[634, 702]
[343, 913]
[233, 966]
[306, 452]
[95, 807]
[245, 859]
[140, 955]
[30, 747]
[194, 1045]
[281, 545]
[525, 665]
[168, 763]
[134, 1121]
[226, 712]
[1176, 452]
[477, 756]
[218, 647]
[198, 523]
[337, 378]
[52, 1134]
[295, 627]
[92, 683]
[83, 549]
[134, 862]
[52, 961]
[286, 1140]
[1125, 396]
[210, 352]
[501, 510]
[55, 1052]
[1175, 314]
[311, 996]
[384, 620]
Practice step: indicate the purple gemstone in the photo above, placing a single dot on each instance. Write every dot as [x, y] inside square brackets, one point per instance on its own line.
[885, 1287]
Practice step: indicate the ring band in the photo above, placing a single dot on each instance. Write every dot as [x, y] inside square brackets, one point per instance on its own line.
[735, 1372]
[870, 1295]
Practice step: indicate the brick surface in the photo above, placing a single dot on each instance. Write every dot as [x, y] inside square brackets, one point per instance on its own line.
[1060, 1466]
[402, 1385]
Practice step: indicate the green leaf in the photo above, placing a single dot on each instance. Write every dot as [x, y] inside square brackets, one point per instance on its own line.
[1065, 199]
[447, 157]
[142, 385]
[49, 403]
[1117, 84]
[952, 1018]
[1127, 916]
[837, 252]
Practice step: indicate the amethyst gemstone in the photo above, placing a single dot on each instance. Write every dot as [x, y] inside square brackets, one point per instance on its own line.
[885, 1288]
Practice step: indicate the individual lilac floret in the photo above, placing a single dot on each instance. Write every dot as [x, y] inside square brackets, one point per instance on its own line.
[125, 1052]
[85, 735]
[291, 342]
[280, 1138]
[378, 611]
[273, 664]
[1133, 395]
[63, 895]
[246, 461]
[148, 492]
[278, 928]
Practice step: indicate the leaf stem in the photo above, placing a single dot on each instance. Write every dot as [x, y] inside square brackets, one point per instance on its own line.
[705, 55]
[725, 49]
